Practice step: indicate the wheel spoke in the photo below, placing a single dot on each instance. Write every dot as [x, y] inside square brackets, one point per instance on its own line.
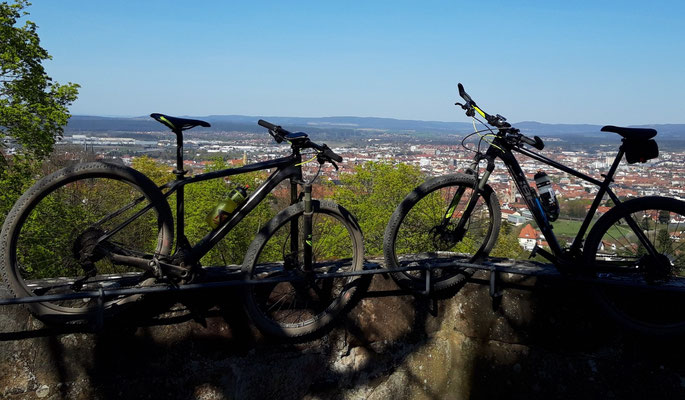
[57, 241]
[305, 305]
[420, 233]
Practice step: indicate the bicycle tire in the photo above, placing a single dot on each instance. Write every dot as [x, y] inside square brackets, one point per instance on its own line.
[37, 262]
[421, 244]
[307, 307]
[612, 242]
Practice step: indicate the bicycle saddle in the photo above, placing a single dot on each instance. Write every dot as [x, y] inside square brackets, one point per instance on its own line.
[631, 133]
[178, 124]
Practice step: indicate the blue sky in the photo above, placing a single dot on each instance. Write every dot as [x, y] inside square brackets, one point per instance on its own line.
[603, 62]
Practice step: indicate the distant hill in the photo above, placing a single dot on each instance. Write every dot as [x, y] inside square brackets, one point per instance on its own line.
[345, 126]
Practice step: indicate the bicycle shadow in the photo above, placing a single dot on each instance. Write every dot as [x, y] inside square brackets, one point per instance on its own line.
[537, 344]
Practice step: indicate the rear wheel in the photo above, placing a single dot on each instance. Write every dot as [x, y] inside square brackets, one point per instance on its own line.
[297, 304]
[423, 231]
[51, 243]
[614, 250]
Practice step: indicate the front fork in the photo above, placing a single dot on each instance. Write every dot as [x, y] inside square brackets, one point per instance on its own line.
[306, 227]
[460, 230]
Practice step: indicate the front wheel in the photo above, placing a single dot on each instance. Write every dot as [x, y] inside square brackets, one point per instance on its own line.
[613, 249]
[424, 230]
[296, 303]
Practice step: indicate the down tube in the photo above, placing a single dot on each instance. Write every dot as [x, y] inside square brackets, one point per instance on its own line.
[532, 201]
[212, 238]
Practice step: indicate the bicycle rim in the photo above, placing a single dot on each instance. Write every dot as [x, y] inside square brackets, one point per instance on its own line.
[59, 229]
[300, 304]
[427, 234]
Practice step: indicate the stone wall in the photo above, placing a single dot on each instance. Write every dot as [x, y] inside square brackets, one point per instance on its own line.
[541, 342]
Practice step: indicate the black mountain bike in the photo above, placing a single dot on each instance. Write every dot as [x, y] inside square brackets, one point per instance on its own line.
[98, 225]
[458, 216]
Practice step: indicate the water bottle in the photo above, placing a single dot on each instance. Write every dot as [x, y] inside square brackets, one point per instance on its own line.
[547, 195]
[225, 208]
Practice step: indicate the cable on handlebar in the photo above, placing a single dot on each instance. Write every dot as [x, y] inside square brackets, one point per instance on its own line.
[482, 137]
[308, 161]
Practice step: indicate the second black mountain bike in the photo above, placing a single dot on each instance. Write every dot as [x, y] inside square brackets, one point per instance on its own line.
[457, 217]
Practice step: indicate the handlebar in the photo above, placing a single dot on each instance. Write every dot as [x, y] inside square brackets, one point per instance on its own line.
[464, 95]
[300, 140]
[497, 121]
[267, 125]
[535, 142]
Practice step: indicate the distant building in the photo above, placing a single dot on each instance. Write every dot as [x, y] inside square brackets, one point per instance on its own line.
[528, 237]
[516, 219]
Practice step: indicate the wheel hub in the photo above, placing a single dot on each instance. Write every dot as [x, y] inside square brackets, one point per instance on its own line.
[445, 237]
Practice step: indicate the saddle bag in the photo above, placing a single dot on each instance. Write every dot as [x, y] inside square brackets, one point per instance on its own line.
[638, 150]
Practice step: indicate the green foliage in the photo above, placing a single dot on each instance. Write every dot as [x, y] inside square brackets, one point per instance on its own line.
[506, 227]
[575, 208]
[371, 194]
[57, 229]
[33, 108]
[507, 244]
[14, 182]
[664, 243]
[202, 197]
[158, 173]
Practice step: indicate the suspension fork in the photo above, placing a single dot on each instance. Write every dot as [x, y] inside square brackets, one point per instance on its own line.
[473, 200]
[294, 228]
[307, 227]
[457, 196]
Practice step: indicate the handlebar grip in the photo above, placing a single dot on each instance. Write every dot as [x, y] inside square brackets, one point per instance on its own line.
[332, 155]
[267, 125]
[535, 142]
[464, 95]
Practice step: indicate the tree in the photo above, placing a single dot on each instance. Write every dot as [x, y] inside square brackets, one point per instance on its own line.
[507, 244]
[575, 208]
[33, 109]
[664, 243]
[371, 194]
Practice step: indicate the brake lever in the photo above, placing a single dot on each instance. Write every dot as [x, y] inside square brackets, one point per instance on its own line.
[322, 160]
[277, 138]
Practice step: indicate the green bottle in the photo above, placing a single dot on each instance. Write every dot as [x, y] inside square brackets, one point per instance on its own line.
[225, 208]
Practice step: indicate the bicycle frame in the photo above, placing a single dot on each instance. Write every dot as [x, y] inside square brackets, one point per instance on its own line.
[501, 148]
[186, 255]
[286, 168]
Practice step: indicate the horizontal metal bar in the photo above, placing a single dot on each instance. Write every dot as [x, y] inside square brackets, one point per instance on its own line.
[370, 268]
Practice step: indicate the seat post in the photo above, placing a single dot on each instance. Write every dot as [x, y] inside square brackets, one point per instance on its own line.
[179, 172]
[180, 210]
